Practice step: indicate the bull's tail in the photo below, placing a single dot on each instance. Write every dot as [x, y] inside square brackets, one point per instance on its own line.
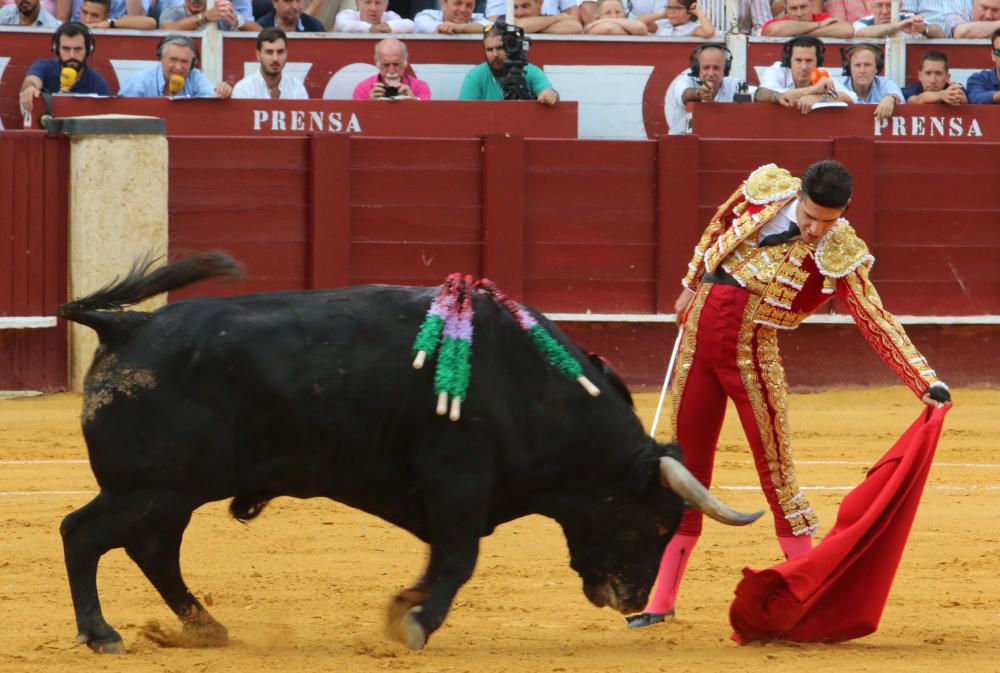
[141, 283]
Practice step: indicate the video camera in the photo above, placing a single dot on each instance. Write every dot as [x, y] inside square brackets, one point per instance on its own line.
[515, 45]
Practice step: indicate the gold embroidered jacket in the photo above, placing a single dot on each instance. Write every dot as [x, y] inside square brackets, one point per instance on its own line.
[796, 278]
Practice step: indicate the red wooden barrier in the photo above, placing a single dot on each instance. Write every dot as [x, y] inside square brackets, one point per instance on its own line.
[424, 119]
[33, 212]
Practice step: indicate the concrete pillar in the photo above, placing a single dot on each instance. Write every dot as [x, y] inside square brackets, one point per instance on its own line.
[117, 209]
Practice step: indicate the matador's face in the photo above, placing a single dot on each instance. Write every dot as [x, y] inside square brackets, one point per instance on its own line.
[815, 220]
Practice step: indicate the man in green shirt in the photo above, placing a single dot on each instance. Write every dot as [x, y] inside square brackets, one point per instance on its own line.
[485, 81]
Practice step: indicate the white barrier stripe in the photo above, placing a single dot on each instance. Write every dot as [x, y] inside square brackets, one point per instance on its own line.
[992, 466]
[755, 487]
[936, 487]
[869, 463]
[44, 462]
[49, 492]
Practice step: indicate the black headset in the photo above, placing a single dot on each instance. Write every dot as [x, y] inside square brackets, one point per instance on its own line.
[696, 69]
[846, 52]
[802, 41]
[182, 41]
[69, 29]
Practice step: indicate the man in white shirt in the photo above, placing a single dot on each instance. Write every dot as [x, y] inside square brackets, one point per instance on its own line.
[269, 80]
[706, 81]
[372, 16]
[454, 17]
[787, 82]
[879, 24]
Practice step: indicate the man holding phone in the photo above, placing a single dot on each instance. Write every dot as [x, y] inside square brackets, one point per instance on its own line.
[391, 59]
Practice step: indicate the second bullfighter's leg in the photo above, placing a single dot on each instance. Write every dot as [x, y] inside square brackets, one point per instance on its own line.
[156, 550]
[134, 521]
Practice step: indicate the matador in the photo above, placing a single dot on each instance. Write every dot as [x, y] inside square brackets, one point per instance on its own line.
[774, 253]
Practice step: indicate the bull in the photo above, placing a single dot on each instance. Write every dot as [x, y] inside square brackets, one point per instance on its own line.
[311, 393]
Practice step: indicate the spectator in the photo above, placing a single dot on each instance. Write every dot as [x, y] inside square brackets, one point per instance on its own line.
[70, 9]
[934, 83]
[176, 74]
[706, 81]
[799, 19]
[496, 8]
[455, 16]
[289, 17]
[937, 12]
[27, 13]
[681, 18]
[788, 83]
[612, 20]
[976, 22]
[862, 65]
[97, 14]
[193, 15]
[753, 14]
[846, 10]
[391, 59]
[372, 16]
[73, 45]
[269, 81]
[530, 17]
[50, 6]
[984, 86]
[485, 81]
[879, 24]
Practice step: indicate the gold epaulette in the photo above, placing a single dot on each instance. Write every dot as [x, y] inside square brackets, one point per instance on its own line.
[770, 183]
[841, 251]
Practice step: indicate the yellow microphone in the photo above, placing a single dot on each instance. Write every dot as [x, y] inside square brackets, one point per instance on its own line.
[67, 78]
[176, 84]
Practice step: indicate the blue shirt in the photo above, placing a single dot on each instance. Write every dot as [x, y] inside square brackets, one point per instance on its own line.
[150, 84]
[87, 81]
[982, 85]
[881, 87]
[243, 7]
[118, 8]
[307, 24]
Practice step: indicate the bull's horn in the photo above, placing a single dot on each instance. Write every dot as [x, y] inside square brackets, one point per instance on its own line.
[684, 484]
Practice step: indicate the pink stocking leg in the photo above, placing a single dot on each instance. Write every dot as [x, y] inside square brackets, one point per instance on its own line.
[796, 545]
[675, 559]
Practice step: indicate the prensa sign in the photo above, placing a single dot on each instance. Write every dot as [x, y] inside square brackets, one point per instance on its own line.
[305, 121]
[929, 126]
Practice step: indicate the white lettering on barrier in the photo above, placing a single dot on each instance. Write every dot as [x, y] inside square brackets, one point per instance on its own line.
[953, 127]
[305, 121]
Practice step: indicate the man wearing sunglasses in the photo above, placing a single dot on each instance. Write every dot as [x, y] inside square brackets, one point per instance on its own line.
[984, 86]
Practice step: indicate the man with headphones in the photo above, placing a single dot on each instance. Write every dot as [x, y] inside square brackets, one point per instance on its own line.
[787, 82]
[706, 80]
[862, 65]
[72, 44]
[176, 74]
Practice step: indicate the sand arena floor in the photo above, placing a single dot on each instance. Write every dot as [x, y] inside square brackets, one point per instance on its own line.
[304, 587]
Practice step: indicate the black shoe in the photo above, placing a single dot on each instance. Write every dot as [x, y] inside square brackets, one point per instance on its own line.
[647, 618]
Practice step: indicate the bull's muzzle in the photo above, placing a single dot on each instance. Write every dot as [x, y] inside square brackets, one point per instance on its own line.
[679, 479]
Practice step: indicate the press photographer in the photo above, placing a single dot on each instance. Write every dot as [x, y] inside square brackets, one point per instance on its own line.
[391, 81]
[506, 73]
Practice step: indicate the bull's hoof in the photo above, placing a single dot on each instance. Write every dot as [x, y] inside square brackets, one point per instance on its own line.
[411, 632]
[102, 640]
[109, 645]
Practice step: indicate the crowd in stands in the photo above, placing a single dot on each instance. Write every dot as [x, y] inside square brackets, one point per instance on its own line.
[797, 81]
[968, 19]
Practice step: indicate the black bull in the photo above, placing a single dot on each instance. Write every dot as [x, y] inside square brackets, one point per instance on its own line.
[311, 394]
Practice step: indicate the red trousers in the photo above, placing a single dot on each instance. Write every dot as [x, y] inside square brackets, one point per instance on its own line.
[724, 354]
